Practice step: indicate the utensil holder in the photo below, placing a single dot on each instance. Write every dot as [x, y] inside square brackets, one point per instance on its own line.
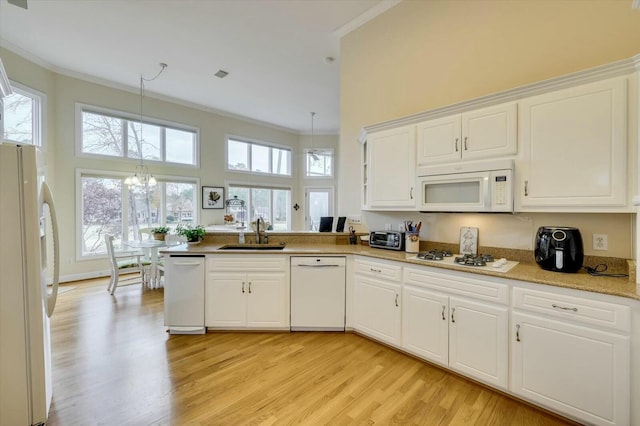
[412, 242]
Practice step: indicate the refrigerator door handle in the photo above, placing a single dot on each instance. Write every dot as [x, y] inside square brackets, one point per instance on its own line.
[47, 198]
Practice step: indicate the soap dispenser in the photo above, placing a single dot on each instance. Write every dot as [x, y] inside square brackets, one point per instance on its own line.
[241, 237]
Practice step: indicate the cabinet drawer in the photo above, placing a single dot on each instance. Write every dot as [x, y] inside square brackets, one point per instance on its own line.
[464, 286]
[245, 263]
[378, 269]
[592, 312]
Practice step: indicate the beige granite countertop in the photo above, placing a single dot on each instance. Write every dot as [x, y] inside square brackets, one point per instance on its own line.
[530, 272]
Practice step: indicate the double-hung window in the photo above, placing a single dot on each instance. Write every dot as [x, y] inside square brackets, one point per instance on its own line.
[258, 157]
[114, 134]
[23, 116]
[108, 206]
[268, 202]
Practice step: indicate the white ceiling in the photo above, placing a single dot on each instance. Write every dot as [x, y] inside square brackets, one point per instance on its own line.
[273, 50]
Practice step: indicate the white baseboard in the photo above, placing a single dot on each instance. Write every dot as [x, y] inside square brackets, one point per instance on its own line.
[84, 276]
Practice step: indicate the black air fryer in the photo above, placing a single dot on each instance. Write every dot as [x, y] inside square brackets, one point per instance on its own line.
[559, 249]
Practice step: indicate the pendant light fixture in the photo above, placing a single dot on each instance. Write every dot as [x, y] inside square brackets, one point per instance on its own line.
[141, 176]
[312, 152]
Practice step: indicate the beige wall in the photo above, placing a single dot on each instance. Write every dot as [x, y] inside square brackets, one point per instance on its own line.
[63, 92]
[422, 55]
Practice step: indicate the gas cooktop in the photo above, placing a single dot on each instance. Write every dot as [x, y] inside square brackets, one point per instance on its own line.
[485, 262]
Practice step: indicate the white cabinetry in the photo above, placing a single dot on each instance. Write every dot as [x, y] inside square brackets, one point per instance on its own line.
[574, 149]
[571, 355]
[483, 133]
[258, 298]
[389, 169]
[377, 300]
[466, 334]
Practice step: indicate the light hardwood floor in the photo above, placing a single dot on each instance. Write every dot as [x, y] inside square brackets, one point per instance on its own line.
[114, 364]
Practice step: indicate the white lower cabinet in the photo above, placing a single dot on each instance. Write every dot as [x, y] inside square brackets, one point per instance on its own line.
[255, 300]
[377, 309]
[563, 363]
[462, 334]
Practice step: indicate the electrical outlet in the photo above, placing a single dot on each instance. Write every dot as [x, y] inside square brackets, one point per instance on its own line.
[600, 242]
[356, 219]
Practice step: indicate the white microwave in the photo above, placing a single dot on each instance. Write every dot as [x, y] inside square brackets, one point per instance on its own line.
[485, 186]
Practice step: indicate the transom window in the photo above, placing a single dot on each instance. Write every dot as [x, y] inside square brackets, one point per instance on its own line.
[318, 163]
[104, 198]
[22, 116]
[114, 135]
[270, 203]
[258, 157]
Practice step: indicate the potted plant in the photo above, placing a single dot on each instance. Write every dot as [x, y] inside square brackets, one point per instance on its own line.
[159, 232]
[194, 234]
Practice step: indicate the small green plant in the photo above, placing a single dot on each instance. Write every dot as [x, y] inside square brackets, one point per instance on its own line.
[191, 232]
[160, 230]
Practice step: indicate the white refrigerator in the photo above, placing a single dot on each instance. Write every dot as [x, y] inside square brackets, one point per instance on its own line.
[26, 301]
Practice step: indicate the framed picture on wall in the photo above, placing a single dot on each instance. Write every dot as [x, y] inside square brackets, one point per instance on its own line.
[212, 197]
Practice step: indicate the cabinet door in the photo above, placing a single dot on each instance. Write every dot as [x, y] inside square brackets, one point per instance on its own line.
[377, 309]
[489, 132]
[575, 370]
[266, 301]
[425, 324]
[391, 168]
[478, 344]
[574, 148]
[439, 140]
[226, 301]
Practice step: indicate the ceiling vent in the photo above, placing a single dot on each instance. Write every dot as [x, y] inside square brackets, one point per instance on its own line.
[221, 74]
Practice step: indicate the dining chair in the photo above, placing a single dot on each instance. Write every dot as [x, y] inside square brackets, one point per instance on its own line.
[124, 263]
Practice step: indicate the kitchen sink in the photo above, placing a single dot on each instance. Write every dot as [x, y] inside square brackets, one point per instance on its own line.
[253, 247]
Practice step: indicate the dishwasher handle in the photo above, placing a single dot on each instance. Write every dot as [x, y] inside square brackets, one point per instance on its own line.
[319, 266]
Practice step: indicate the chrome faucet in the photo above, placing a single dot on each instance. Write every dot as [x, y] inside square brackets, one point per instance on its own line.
[258, 230]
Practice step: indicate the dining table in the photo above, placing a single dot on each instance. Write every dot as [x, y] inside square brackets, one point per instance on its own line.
[150, 249]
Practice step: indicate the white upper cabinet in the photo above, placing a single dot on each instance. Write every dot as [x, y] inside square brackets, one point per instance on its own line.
[483, 133]
[390, 169]
[574, 149]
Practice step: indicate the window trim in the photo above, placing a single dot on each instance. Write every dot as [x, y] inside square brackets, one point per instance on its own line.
[250, 185]
[81, 107]
[38, 116]
[321, 150]
[251, 141]
[80, 173]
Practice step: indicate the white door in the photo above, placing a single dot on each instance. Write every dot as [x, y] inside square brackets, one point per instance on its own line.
[579, 371]
[489, 132]
[377, 311]
[478, 343]
[392, 166]
[319, 203]
[439, 140]
[226, 300]
[425, 324]
[266, 301]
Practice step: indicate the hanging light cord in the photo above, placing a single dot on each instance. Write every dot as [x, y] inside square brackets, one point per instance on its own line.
[163, 66]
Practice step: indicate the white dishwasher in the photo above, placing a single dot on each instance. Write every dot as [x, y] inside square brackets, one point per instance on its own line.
[317, 293]
[184, 294]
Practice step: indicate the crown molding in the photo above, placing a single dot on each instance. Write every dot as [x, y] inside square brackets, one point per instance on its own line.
[614, 69]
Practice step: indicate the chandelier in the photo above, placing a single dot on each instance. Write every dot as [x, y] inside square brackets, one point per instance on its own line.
[141, 176]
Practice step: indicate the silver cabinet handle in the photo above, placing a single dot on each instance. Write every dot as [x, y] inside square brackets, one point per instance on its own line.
[456, 144]
[564, 308]
[411, 193]
[397, 300]
[376, 270]
[453, 311]
[526, 188]
[465, 143]
[517, 332]
[249, 287]
[243, 286]
[443, 309]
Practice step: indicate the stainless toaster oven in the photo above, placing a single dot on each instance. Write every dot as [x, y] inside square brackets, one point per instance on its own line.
[392, 240]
